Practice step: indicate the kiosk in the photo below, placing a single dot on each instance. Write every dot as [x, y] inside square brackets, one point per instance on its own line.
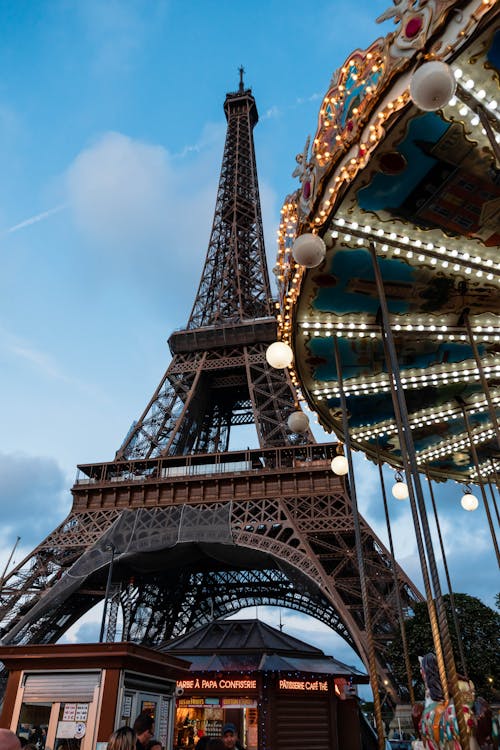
[73, 696]
[278, 691]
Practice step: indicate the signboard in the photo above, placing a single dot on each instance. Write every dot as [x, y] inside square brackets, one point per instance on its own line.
[163, 721]
[69, 712]
[223, 683]
[82, 711]
[66, 730]
[239, 703]
[127, 706]
[149, 707]
[318, 686]
[198, 701]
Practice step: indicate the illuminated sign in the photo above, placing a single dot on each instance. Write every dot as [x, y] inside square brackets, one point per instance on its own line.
[193, 702]
[238, 703]
[306, 685]
[223, 683]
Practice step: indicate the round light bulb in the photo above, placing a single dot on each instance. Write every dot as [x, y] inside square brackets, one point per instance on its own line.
[400, 490]
[340, 466]
[298, 421]
[279, 355]
[469, 501]
[432, 85]
[308, 250]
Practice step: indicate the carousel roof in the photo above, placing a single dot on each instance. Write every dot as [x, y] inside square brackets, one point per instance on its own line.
[422, 188]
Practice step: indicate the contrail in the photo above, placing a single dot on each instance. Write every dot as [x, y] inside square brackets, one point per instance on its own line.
[35, 219]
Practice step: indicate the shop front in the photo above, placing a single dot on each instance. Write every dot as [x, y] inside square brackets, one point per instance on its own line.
[72, 697]
[205, 703]
[278, 691]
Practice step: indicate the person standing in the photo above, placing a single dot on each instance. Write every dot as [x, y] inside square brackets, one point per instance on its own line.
[144, 727]
[122, 739]
[230, 737]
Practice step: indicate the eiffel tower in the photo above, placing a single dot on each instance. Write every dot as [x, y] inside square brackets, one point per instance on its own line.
[178, 529]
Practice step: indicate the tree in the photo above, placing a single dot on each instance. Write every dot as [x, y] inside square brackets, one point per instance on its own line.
[480, 632]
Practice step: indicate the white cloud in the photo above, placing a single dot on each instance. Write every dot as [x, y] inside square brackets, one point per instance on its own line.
[87, 628]
[119, 190]
[33, 499]
[133, 200]
[35, 219]
[41, 362]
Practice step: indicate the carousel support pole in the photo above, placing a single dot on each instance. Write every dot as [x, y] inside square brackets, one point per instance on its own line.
[494, 470]
[479, 481]
[482, 377]
[466, 97]
[443, 623]
[431, 604]
[401, 619]
[456, 624]
[493, 500]
[372, 665]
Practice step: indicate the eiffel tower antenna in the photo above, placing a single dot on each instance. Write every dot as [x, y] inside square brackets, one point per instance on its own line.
[178, 528]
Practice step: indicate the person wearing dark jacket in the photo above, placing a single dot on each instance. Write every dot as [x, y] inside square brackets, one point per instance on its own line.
[144, 728]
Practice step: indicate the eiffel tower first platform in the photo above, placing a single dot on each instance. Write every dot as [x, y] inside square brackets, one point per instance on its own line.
[178, 530]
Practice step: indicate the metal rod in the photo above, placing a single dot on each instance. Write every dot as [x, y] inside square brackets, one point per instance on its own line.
[402, 626]
[431, 605]
[482, 377]
[480, 483]
[493, 499]
[372, 666]
[493, 468]
[106, 595]
[444, 632]
[467, 98]
[456, 624]
[2, 578]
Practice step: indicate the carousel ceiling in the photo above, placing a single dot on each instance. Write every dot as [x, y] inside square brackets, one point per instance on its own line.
[423, 189]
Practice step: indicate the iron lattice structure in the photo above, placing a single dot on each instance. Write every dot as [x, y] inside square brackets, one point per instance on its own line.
[196, 531]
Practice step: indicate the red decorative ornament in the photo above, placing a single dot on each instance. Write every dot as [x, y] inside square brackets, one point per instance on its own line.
[306, 190]
[350, 125]
[413, 27]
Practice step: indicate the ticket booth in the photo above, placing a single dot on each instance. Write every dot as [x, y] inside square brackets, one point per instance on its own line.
[73, 696]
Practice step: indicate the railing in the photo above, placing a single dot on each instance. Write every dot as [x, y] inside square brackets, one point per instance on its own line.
[314, 456]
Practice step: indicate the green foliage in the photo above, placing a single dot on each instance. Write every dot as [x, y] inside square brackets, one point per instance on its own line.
[480, 631]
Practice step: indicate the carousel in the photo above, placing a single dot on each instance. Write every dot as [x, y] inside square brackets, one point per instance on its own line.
[389, 272]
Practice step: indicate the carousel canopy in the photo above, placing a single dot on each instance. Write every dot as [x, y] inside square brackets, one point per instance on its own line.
[406, 161]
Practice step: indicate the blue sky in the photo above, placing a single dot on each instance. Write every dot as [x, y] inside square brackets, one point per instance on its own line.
[111, 137]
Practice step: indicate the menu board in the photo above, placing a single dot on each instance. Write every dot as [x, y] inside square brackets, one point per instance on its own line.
[163, 721]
